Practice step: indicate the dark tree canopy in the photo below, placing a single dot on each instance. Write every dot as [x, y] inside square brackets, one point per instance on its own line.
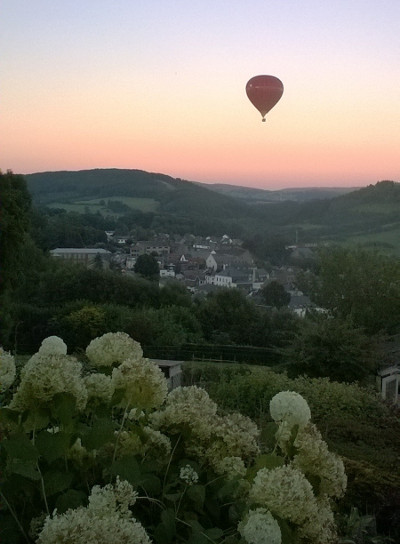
[147, 266]
[15, 203]
[275, 294]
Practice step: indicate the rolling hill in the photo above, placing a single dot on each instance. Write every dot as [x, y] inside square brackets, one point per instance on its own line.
[367, 216]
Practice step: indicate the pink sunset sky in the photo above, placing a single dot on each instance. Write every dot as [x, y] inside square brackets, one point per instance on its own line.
[159, 85]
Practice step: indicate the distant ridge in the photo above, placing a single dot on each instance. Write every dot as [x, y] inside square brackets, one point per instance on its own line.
[253, 195]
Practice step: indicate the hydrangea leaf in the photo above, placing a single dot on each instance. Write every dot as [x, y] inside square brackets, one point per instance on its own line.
[27, 469]
[101, 432]
[56, 481]
[63, 407]
[70, 499]
[127, 468]
[269, 461]
[197, 494]
[19, 446]
[52, 446]
[166, 531]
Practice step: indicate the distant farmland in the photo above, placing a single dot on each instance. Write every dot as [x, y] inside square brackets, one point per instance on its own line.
[100, 205]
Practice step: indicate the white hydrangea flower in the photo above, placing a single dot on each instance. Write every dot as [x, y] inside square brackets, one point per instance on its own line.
[116, 498]
[135, 414]
[157, 445]
[260, 527]
[321, 528]
[187, 406]
[99, 387]
[7, 370]
[106, 519]
[113, 348]
[231, 467]
[313, 457]
[188, 475]
[53, 345]
[142, 381]
[234, 435]
[44, 377]
[284, 491]
[128, 443]
[291, 408]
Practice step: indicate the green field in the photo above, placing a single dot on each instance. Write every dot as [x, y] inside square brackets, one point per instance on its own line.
[96, 205]
[386, 241]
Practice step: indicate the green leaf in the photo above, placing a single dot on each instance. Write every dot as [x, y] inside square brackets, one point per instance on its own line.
[36, 419]
[286, 532]
[56, 481]
[53, 446]
[315, 481]
[117, 396]
[27, 469]
[20, 447]
[268, 461]
[197, 493]
[9, 416]
[198, 536]
[168, 525]
[127, 468]
[151, 484]
[63, 408]
[268, 433]
[101, 432]
[215, 533]
[70, 499]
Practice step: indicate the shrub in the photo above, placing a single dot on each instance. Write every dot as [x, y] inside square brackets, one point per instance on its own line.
[101, 451]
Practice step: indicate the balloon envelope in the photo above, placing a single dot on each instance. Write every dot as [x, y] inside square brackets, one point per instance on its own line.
[264, 92]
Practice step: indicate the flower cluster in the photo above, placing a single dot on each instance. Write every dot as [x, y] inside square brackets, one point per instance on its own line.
[106, 519]
[142, 382]
[7, 370]
[44, 376]
[291, 408]
[285, 491]
[100, 388]
[175, 448]
[188, 475]
[259, 527]
[53, 345]
[112, 349]
[314, 458]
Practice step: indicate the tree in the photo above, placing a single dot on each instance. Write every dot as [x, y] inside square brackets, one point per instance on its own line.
[275, 294]
[147, 266]
[15, 205]
[14, 224]
[227, 316]
[333, 348]
[363, 285]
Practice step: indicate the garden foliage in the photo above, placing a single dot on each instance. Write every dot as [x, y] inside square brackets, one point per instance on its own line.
[98, 451]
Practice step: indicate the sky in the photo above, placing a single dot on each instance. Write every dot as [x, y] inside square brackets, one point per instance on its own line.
[159, 85]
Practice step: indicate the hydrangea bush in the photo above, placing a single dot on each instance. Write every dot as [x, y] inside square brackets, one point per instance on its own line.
[98, 451]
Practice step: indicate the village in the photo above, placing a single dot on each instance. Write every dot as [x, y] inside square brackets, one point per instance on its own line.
[201, 264]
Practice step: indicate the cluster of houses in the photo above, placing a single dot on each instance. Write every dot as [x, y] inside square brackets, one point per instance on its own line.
[201, 264]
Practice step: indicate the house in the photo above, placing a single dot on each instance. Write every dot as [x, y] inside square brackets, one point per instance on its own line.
[232, 277]
[149, 247]
[84, 256]
[172, 370]
[388, 381]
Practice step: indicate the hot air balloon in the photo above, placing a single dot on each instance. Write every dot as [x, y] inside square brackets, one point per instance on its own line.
[264, 92]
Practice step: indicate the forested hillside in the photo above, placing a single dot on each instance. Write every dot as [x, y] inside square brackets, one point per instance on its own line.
[367, 217]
